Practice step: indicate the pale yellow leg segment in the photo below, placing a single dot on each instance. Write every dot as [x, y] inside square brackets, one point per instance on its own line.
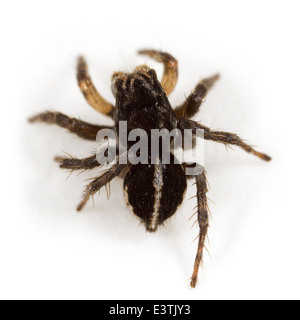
[170, 75]
[89, 91]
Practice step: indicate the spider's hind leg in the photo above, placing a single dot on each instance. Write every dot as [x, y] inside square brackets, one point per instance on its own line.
[193, 102]
[203, 217]
[99, 182]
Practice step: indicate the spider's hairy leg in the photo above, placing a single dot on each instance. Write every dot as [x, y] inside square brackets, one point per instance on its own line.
[170, 75]
[80, 128]
[78, 164]
[89, 91]
[193, 102]
[226, 138]
[99, 182]
[203, 218]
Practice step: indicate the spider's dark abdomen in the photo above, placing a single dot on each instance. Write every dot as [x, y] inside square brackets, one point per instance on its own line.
[154, 192]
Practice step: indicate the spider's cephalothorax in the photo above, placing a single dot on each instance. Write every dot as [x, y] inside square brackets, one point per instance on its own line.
[141, 101]
[153, 191]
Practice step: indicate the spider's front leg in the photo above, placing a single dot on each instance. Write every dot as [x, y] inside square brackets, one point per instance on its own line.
[80, 128]
[193, 102]
[202, 210]
[170, 76]
[226, 138]
[89, 91]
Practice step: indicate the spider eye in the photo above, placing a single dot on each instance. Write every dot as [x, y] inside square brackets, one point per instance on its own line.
[114, 89]
[116, 82]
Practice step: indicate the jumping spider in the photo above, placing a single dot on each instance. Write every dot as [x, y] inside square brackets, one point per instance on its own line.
[154, 191]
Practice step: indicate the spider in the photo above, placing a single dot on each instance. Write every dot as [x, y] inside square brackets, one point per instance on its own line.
[154, 191]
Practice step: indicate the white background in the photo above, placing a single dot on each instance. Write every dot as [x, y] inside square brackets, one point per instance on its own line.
[49, 251]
